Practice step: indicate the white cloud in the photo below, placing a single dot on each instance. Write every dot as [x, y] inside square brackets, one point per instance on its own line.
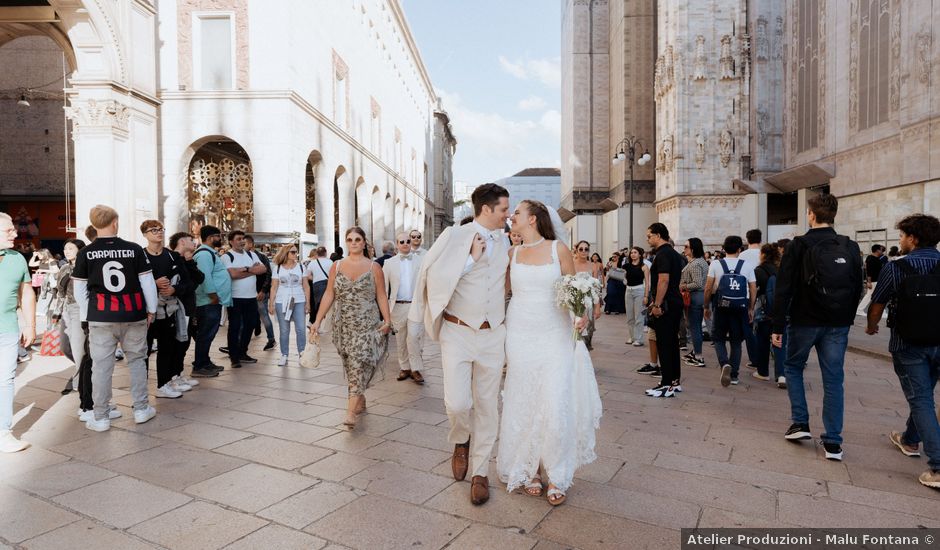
[551, 121]
[532, 103]
[546, 70]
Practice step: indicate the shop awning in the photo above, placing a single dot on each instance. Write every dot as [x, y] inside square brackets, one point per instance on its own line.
[809, 175]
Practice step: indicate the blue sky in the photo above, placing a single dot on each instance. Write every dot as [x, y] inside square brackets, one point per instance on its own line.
[496, 64]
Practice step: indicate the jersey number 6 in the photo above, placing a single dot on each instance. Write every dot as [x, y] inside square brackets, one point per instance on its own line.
[114, 279]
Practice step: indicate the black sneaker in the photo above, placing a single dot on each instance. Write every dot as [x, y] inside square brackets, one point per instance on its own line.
[215, 367]
[224, 350]
[833, 451]
[248, 359]
[205, 373]
[751, 365]
[269, 345]
[684, 347]
[648, 369]
[257, 331]
[798, 432]
[236, 365]
[694, 362]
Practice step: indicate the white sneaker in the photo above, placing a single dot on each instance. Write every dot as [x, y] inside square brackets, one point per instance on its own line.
[191, 381]
[113, 414]
[10, 444]
[781, 382]
[178, 384]
[144, 415]
[98, 425]
[282, 362]
[168, 391]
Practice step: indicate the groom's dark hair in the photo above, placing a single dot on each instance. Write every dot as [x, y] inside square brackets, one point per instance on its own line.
[487, 194]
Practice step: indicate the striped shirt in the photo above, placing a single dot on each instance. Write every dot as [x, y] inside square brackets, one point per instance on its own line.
[923, 260]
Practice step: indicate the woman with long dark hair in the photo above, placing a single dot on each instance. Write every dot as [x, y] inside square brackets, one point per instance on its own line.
[582, 264]
[551, 404]
[765, 271]
[692, 281]
[637, 279]
[615, 300]
[362, 319]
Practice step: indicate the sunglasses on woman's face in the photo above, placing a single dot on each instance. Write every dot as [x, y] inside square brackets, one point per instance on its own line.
[416, 236]
[582, 249]
[406, 241]
[292, 252]
[353, 240]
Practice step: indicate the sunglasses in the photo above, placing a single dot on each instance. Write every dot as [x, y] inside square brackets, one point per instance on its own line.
[353, 240]
[416, 236]
[292, 252]
[582, 249]
[406, 241]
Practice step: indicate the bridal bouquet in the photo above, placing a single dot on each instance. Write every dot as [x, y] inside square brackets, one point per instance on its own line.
[577, 293]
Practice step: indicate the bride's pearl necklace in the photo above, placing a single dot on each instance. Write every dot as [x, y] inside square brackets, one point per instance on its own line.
[536, 243]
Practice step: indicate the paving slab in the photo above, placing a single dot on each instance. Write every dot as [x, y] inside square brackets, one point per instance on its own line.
[279, 537]
[251, 487]
[25, 517]
[287, 455]
[87, 534]
[198, 525]
[122, 501]
[308, 506]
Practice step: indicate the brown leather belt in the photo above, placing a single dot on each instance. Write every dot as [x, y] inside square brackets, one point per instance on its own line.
[457, 321]
[402, 301]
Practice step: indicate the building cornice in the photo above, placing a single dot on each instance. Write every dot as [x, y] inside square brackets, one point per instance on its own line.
[303, 104]
[412, 46]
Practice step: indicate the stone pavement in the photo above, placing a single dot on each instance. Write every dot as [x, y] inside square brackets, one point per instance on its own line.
[256, 459]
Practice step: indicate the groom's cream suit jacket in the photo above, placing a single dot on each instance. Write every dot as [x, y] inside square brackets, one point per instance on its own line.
[476, 296]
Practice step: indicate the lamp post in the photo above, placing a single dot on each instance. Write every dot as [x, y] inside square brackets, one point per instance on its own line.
[626, 150]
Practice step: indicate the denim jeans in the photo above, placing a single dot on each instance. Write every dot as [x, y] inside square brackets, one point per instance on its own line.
[696, 314]
[635, 321]
[764, 349]
[242, 320]
[9, 348]
[265, 318]
[830, 344]
[208, 318]
[918, 368]
[300, 327]
[729, 326]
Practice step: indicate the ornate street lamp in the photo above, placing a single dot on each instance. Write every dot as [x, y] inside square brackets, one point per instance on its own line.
[626, 151]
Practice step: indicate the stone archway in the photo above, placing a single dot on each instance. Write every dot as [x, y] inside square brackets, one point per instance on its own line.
[220, 186]
[310, 190]
[343, 215]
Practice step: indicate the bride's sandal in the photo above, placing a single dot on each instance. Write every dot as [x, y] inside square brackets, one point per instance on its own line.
[533, 487]
[555, 496]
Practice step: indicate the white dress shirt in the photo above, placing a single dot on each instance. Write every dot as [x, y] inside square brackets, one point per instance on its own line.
[406, 280]
[489, 236]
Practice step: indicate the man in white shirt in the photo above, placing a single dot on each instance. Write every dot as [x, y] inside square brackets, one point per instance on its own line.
[401, 275]
[733, 280]
[318, 273]
[752, 257]
[415, 236]
[244, 267]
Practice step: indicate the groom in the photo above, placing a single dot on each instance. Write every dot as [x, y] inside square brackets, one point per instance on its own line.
[460, 298]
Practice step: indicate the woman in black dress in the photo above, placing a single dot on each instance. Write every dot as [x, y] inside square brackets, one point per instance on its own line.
[615, 302]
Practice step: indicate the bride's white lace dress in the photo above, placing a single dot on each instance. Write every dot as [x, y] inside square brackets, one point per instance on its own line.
[551, 404]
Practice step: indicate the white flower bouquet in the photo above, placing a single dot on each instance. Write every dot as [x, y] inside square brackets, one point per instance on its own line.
[578, 294]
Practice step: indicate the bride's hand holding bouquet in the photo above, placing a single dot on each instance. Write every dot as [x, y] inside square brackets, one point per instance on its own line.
[578, 293]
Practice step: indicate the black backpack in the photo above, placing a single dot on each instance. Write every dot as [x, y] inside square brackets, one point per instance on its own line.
[831, 275]
[917, 306]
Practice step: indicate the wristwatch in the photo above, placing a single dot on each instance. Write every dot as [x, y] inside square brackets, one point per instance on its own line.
[247, 269]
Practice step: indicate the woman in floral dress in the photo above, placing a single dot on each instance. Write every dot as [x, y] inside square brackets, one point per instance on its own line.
[360, 335]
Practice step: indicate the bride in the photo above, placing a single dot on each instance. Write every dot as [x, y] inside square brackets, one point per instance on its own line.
[551, 404]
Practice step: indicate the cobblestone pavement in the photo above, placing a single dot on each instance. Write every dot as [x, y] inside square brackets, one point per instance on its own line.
[256, 458]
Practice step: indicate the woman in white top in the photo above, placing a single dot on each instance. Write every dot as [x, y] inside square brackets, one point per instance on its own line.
[291, 299]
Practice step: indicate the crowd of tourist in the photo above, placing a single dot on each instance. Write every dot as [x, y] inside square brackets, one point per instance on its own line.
[775, 302]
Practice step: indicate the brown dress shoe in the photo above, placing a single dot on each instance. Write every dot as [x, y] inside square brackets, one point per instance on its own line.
[416, 376]
[479, 490]
[404, 375]
[460, 460]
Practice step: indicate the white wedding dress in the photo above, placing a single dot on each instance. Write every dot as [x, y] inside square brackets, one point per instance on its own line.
[551, 404]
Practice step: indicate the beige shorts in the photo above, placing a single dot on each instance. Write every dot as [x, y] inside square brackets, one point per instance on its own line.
[651, 335]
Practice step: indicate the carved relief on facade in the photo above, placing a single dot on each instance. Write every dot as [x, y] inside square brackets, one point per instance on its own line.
[762, 42]
[699, 64]
[720, 202]
[667, 153]
[895, 83]
[778, 39]
[853, 67]
[763, 122]
[922, 43]
[700, 142]
[726, 61]
[658, 78]
[821, 56]
[93, 114]
[725, 146]
[669, 75]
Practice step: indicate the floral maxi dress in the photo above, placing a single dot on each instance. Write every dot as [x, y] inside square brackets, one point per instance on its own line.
[355, 330]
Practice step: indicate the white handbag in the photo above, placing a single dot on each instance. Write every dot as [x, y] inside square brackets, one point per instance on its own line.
[310, 359]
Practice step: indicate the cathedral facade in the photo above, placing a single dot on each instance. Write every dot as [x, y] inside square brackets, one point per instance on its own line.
[758, 105]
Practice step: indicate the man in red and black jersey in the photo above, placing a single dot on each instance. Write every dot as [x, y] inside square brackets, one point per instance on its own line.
[115, 290]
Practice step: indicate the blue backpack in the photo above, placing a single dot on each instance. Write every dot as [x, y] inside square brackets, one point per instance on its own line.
[765, 302]
[732, 287]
